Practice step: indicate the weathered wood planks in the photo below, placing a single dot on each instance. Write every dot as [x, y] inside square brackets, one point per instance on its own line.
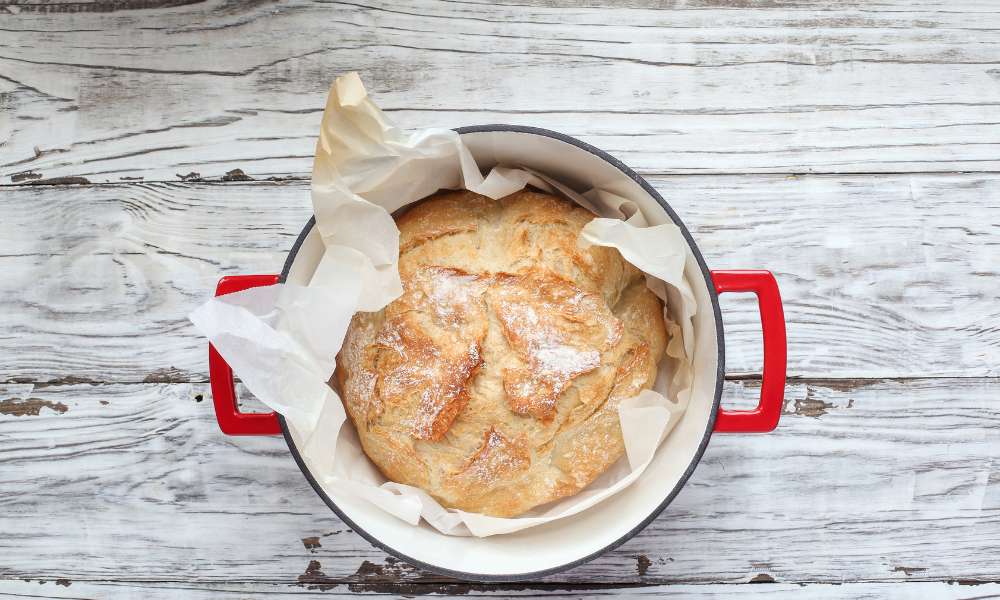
[125, 489]
[706, 87]
[863, 481]
[882, 276]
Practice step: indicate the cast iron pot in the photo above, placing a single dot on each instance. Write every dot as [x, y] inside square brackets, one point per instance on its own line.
[568, 542]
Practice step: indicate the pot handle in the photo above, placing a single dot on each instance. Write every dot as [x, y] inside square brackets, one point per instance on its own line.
[220, 375]
[764, 418]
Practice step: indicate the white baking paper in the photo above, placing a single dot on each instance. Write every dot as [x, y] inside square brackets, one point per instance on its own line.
[282, 340]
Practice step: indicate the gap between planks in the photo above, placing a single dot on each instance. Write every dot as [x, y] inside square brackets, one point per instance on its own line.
[434, 584]
[163, 376]
[296, 180]
[156, 591]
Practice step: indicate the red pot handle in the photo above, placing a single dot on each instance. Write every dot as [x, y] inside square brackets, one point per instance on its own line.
[764, 418]
[231, 420]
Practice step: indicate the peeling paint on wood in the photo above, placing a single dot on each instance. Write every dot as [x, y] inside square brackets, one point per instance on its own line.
[972, 582]
[315, 578]
[193, 590]
[64, 380]
[97, 6]
[311, 543]
[809, 407]
[391, 570]
[29, 406]
[24, 176]
[167, 375]
[236, 175]
[642, 564]
[68, 180]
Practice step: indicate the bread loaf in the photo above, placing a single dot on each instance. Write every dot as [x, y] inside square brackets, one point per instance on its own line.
[493, 382]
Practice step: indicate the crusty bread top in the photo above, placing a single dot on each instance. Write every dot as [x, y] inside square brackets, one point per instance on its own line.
[494, 381]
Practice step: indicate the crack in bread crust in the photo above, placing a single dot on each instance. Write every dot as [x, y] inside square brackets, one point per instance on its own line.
[498, 460]
[429, 349]
[558, 331]
[494, 381]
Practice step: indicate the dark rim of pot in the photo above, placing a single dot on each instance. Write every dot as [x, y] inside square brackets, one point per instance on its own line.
[720, 376]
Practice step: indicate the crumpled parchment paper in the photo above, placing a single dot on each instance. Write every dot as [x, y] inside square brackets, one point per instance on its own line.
[282, 340]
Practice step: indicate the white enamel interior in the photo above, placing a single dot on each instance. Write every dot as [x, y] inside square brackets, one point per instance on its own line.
[567, 540]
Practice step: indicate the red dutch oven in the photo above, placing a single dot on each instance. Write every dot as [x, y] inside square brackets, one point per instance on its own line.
[571, 541]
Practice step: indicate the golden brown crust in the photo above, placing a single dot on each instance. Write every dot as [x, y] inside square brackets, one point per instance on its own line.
[497, 461]
[494, 381]
[557, 330]
[422, 222]
[427, 350]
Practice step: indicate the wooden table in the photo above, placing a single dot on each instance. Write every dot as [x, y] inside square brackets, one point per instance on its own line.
[854, 150]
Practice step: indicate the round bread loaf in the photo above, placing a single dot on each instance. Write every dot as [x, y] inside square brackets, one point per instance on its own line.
[493, 382]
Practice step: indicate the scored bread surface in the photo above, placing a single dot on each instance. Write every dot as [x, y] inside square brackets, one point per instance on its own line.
[493, 382]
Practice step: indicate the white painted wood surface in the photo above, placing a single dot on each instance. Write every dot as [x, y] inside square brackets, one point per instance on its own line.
[707, 86]
[864, 481]
[817, 140]
[881, 276]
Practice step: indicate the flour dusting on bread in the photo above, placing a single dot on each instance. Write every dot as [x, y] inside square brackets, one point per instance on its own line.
[493, 381]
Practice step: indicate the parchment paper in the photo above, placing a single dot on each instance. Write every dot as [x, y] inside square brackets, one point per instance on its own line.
[282, 340]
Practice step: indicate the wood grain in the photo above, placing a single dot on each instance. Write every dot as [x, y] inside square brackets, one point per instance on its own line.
[875, 481]
[774, 86]
[882, 276]
[64, 588]
[881, 481]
